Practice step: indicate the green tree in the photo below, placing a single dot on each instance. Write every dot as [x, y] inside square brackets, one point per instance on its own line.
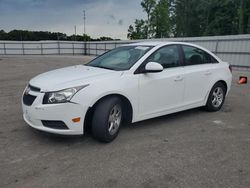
[131, 33]
[139, 31]
[161, 19]
[105, 38]
[148, 6]
[158, 22]
[210, 17]
[24, 35]
[187, 23]
[3, 35]
[223, 18]
[244, 16]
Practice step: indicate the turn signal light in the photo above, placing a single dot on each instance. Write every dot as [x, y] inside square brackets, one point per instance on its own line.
[75, 120]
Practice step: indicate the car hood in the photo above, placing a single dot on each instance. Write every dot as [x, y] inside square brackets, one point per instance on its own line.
[68, 77]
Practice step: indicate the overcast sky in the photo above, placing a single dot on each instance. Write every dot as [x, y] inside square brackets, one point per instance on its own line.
[103, 17]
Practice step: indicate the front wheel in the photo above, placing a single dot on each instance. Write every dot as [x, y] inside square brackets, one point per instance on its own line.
[107, 119]
[216, 97]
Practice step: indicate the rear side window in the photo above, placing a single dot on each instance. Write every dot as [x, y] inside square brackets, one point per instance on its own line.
[196, 56]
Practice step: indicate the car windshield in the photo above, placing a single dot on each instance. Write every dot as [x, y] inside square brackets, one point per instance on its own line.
[121, 58]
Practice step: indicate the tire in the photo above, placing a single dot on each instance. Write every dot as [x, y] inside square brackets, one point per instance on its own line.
[107, 119]
[216, 97]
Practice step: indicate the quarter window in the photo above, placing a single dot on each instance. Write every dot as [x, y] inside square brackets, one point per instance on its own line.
[167, 56]
[196, 56]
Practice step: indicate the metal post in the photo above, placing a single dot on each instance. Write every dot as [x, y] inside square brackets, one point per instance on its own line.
[105, 48]
[84, 24]
[85, 48]
[23, 47]
[41, 48]
[58, 46]
[73, 46]
[4, 48]
[96, 49]
[75, 34]
[216, 46]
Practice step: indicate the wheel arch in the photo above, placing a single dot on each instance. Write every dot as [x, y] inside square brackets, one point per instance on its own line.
[223, 82]
[218, 81]
[208, 106]
[126, 105]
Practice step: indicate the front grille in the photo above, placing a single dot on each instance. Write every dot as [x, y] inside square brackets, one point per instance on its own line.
[28, 99]
[33, 88]
[54, 124]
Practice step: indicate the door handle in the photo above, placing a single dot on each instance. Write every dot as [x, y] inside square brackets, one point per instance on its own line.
[208, 73]
[178, 78]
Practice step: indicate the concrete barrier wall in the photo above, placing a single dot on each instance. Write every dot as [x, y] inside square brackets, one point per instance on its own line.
[234, 49]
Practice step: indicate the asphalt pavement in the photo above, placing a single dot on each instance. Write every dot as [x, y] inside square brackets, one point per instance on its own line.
[187, 149]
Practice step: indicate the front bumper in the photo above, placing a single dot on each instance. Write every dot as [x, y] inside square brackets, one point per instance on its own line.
[65, 112]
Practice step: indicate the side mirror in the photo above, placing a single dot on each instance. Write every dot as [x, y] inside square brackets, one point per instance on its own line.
[153, 67]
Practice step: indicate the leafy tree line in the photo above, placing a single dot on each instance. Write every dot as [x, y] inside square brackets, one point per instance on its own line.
[189, 18]
[24, 35]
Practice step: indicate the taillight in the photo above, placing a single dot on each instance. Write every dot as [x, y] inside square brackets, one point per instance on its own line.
[230, 68]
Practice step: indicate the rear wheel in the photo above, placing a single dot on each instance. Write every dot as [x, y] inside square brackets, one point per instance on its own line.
[107, 119]
[216, 97]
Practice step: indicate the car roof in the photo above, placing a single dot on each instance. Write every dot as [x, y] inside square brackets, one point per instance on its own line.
[161, 43]
[151, 43]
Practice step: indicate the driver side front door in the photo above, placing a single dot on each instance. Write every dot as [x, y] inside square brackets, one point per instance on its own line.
[162, 92]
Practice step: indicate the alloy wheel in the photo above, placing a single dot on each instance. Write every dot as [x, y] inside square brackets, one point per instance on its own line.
[114, 120]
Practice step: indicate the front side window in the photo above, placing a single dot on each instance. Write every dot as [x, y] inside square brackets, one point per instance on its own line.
[122, 58]
[196, 56]
[167, 56]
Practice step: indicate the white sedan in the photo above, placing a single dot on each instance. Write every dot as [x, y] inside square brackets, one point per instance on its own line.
[130, 83]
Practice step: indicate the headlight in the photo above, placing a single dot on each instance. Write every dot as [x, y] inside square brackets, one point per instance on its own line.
[61, 96]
